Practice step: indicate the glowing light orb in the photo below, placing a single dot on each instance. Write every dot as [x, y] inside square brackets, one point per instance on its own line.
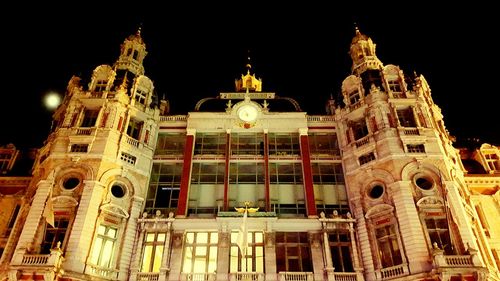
[52, 100]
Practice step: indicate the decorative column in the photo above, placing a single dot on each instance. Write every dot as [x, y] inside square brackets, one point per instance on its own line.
[316, 255]
[165, 260]
[328, 254]
[226, 169]
[267, 193]
[186, 173]
[176, 262]
[30, 227]
[355, 254]
[223, 249]
[412, 235]
[83, 228]
[135, 267]
[129, 237]
[364, 239]
[307, 173]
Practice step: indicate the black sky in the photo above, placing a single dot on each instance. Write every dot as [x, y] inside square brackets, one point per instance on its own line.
[298, 50]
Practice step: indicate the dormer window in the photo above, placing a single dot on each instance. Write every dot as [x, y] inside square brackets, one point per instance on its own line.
[354, 97]
[140, 96]
[395, 88]
[100, 86]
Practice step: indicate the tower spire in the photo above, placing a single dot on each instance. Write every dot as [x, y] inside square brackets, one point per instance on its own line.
[249, 64]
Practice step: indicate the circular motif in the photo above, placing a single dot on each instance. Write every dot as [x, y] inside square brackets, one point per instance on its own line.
[118, 191]
[71, 183]
[424, 183]
[248, 113]
[376, 191]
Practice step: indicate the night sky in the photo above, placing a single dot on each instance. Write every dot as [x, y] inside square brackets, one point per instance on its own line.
[299, 51]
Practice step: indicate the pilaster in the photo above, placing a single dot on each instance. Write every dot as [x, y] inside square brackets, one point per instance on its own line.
[128, 238]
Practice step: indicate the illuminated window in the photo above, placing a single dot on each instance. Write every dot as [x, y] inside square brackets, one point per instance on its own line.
[354, 97]
[200, 252]
[329, 188]
[388, 247]
[210, 144]
[104, 245]
[323, 144]
[395, 88]
[140, 96]
[340, 247]
[254, 259]
[293, 252]
[134, 128]
[153, 252]
[54, 234]
[492, 161]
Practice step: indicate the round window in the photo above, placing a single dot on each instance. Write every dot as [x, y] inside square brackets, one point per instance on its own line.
[424, 183]
[71, 183]
[376, 191]
[118, 191]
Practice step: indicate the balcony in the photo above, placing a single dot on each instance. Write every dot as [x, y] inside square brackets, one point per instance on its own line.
[459, 261]
[104, 272]
[148, 276]
[393, 271]
[52, 261]
[362, 141]
[345, 276]
[198, 276]
[295, 276]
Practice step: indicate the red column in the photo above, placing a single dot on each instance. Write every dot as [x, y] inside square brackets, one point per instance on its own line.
[266, 172]
[186, 174]
[307, 173]
[226, 170]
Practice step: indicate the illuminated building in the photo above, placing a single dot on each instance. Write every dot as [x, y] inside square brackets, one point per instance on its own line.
[372, 190]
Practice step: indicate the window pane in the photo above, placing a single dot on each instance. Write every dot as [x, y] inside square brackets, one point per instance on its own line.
[146, 259]
[157, 259]
[96, 251]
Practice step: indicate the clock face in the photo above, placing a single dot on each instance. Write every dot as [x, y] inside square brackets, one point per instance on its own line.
[248, 113]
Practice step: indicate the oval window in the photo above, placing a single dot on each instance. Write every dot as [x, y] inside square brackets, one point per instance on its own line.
[424, 183]
[118, 191]
[376, 191]
[71, 183]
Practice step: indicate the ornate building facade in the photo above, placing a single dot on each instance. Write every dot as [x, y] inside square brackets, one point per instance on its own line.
[372, 190]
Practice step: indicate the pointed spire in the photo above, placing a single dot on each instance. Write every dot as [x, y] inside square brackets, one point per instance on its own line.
[249, 65]
[356, 28]
[138, 33]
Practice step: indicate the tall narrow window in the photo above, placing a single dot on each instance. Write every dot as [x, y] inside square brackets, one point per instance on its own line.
[360, 129]
[439, 233]
[134, 128]
[200, 252]
[89, 118]
[340, 247]
[53, 235]
[388, 247]
[293, 252]
[153, 252]
[104, 246]
[254, 259]
[164, 187]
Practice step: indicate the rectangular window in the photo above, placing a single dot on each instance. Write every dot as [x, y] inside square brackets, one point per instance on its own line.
[369, 78]
[340, 247]
[134, 128]
[200, 252]
[53, 235]
[79, 148]
[354, 97]
[164, 187]
[330, 173]
[100, 86]
[406, 117]
[154, 243]
[170, 144]
[359, 129]
[395, 88]
[128, 158]
[284, 144]
[285, 173]
[323, 144]
[415, 148]
[140, 96]
[293, 252]
[89, 118]
[210, 144]
[366, 158]
[247, 144]
[12, 220]
[208, 173]
[439, 233]
[246, 172]
[254, 259]
[104, 246]
[388, 247]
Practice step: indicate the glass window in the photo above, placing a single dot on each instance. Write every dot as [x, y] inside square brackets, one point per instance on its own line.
[250, 172]
[354, 97]
[254, 259]
[247, 144]
[284, 144]
[340, 247]
[415, 148]
[210, 144]
[330, 173]
[154, 243]
[134, 128]
[285, 173]
[388, 247]
[437, 228]
[396, 89]
[406, 117]
[323, 144]
[208, 173]
[104, 244]
[359, 129]
[140, 96]
[200, 252]
[54, 234]
[293, 252]
[369, 78]
[170, 144]
[164, 187]
[100, 86]
[89, 118]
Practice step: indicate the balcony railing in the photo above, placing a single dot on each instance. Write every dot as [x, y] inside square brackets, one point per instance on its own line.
[35, 259]
[345, 276]
[295, 276]
[411, 132]
[132, 141]
[362, 141]
[84, 131]
[148, 276]
[458, 261]
[392, 272]
[198, 276]
[246, 276]
[173, 118]
[320, 118]
[104, 272]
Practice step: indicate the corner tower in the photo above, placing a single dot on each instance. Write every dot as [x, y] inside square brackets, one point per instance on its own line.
[92, 173]
[403, 176]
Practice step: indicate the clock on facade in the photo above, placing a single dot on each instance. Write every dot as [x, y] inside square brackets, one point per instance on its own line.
[247, 113]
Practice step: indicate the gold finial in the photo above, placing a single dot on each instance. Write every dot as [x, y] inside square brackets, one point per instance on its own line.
[138, 33]
[356, 28]
[249, 65]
